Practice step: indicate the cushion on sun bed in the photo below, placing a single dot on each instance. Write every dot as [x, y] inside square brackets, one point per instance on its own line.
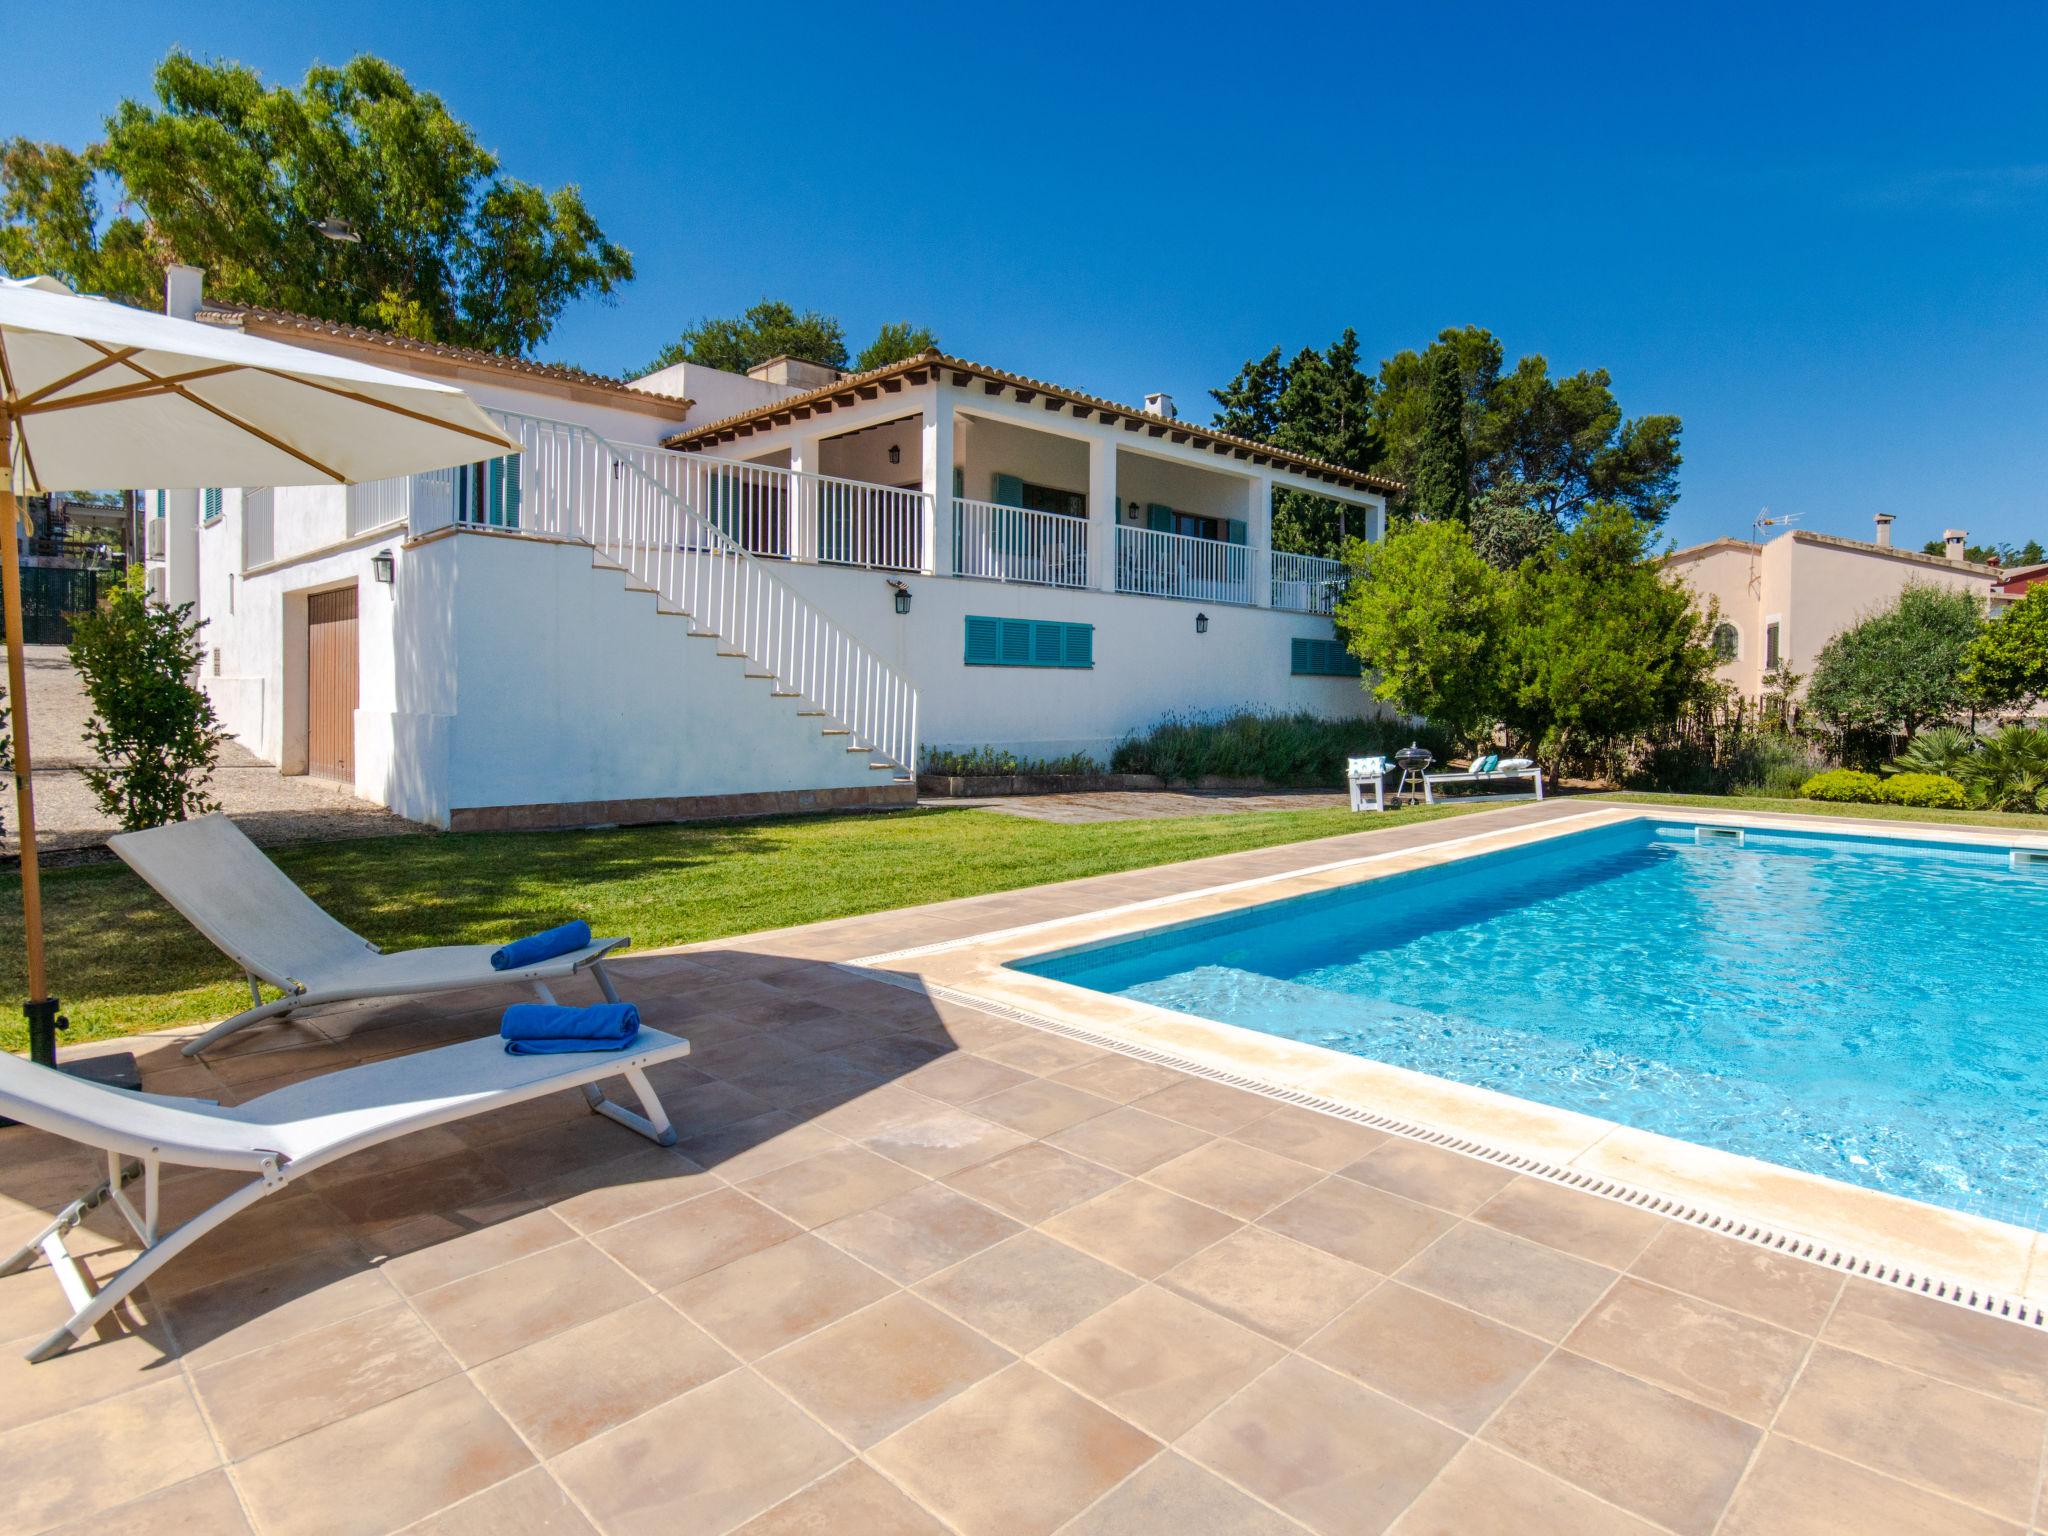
[539, 1029]
[1514, 764]
[564, 940]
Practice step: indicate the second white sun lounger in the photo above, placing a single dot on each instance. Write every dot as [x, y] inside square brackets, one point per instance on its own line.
[223, 885]
[281, 1136]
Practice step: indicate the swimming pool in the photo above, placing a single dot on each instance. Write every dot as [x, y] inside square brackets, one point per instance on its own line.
[1865, 1008]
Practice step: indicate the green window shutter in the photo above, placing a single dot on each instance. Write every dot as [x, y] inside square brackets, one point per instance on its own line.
[1080, 645]
[1322, 658]
[1302, 651]
[1016, 642]
[497, 501]
[512, 490]
[209, 504]
[1159, 519]
[1234, 531]
[1008, 491]
[1048, 645]
[984, 641]
[959, 481]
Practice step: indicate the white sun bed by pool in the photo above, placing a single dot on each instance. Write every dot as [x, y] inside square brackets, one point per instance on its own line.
[1512, 770]
[223, 885]
[282, 1136]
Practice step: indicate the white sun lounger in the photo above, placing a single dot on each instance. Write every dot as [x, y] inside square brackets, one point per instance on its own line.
[1519, 769]
[222, 884]
[281, 1136]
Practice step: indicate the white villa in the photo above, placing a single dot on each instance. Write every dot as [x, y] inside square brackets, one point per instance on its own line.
[703, 594]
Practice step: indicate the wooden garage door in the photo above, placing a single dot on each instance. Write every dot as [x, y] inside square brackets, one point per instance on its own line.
[331, 685]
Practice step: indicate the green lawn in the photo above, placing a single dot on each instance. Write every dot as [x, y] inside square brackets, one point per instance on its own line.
[122, 961]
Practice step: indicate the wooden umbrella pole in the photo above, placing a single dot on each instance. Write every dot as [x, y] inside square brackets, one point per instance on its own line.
[41, 1008]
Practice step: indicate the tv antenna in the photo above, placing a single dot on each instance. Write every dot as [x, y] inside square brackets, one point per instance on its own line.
[1769, 519]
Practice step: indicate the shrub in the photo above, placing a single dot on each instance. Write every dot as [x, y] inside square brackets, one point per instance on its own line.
[154, 733]
[2010, 771]
[1842, 784]
[981, 761]
[1935, 790]
[1301, 750]
[1940, 749]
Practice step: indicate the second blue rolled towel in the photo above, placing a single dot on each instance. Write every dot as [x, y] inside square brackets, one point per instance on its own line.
[542, 1029]
[520, 953]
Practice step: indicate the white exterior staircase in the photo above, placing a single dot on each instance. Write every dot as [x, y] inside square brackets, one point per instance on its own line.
[577, 485]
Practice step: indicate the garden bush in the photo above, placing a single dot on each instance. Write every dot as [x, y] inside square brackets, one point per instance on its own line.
[1932, 790]
[1301, 750]
[981, 761]
[1843, 784]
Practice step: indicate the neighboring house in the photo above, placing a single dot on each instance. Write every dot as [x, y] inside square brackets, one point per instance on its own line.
[1781, 602]
[706, 594]
[2016, 584]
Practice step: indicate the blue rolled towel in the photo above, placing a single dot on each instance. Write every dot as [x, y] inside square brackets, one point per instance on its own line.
[520, 953]
[541, 1029]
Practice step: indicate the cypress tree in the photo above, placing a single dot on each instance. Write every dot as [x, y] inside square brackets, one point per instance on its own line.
[1442, 491]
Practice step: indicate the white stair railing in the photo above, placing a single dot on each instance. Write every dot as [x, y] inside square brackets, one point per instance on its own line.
[578, 485]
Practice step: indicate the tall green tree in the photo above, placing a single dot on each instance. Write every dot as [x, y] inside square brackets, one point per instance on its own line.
[2010, 556]
[226, 173]
[893, 343]
[2006, 666]
[1903, 667]
[1442, 489]
[1319, 404]
[773, 329]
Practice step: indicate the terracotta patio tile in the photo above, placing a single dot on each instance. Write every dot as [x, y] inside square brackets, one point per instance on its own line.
[1025, 1290]
[1451, 1364]
[919, 1233]
[1324, 1449]
[1450, 1181]
[562, 1390]
[1359, 1223]
[1321, 1141]
[1971, 1350]
[830, 1028]
[1041, 1107]
[1966, 1445]
[1485, 1493]
[855, 1500]
[810, 1080]
[1241, 1180]
[100, 1366]
[1652, 1452]
[205, 1505]
[763, 1301]
[1523, 1284]
[457, 1258]
[437, 1185]
[1142, 1229]
[1782, 1290]
[870, 1374]
[530, 1503]
[1283, 1289]
[1119, 1079]
[264, 1306]
[101, 1456]
[832, 1184]
[1157, 1359]
[499, 1310]
[1171, 1496]
[895, 1058]
[701, 1463]
[747, 1149]
[679, 1241]
[1794, 1490]
[258, 1399]
[711, 1106]
[742, 1055]
[551, 1151]
[1588, 1226]
[876, 1110]
[1207, 1106]
[1043, 1053]
[960, 1077]
[1034, 1182]
[428, 1449]
[592, 1199]
[1129, 1140]
[1724, 1359]
[940, 1139]
[1016, 1455]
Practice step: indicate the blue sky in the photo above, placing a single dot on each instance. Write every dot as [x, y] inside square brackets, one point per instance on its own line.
[1817, 233]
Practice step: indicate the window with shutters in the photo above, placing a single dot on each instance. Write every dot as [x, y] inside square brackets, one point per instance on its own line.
[487, 493]
[1323, 658]
[996, 642]
[209, 505]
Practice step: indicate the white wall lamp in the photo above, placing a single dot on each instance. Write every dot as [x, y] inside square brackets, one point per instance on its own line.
[902, 592]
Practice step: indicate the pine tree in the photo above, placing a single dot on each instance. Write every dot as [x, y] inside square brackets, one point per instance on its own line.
[1443, 475]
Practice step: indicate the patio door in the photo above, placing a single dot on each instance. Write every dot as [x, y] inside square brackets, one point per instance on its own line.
[331, 685]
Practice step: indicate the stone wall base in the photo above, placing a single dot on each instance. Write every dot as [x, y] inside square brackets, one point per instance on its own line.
[623, 813]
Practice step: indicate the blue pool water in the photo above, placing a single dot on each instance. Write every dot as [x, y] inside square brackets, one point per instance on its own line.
[1861, 1007]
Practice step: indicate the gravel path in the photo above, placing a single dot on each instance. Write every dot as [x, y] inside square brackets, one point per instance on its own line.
[264, 803]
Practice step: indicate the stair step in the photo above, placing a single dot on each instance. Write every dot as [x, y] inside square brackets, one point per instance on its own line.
[784, 693]
[740, 654]
[700, 634]
[857, 747]
[810, 714]
[834, 730]
[760, 677]
[884, 768]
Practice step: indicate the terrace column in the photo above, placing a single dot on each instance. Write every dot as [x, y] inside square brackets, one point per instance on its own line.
[935, 539]
[1104, 512]
[1259, 535]
[806, 455]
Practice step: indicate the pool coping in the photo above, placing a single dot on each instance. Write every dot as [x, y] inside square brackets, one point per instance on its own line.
[1987, 1265]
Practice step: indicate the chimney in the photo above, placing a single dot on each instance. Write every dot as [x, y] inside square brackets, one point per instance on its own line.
[1884, 530]
[1957, 542]
[184, 291]
[1161, 405]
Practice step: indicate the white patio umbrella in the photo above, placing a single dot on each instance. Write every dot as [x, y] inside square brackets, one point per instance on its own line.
[95, 395]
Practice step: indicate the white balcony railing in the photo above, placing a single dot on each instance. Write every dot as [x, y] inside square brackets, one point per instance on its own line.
[768, 510]
[1155, 564]
[1049, 549]
[1306, 583]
